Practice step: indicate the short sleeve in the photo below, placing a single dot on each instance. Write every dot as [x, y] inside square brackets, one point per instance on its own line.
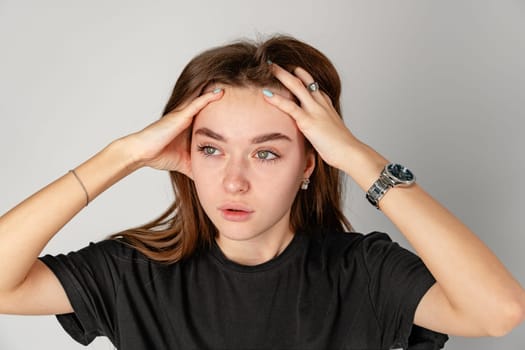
[398, 279]
[90, 278]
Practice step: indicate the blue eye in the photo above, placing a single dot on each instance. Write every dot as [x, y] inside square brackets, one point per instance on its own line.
[266, 155]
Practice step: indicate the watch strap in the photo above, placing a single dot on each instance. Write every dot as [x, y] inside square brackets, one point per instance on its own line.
[393, 175]
[378, 190]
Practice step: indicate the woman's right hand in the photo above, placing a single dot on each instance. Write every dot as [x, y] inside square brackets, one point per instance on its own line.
[164, 144]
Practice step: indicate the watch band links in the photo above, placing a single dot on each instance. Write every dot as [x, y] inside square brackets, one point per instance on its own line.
[378, 190]
[393, 175]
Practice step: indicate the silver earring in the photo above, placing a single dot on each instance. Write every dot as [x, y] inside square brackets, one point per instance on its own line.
[304, 185]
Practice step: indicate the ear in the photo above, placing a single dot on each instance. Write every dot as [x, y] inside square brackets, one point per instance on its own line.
[309, 164]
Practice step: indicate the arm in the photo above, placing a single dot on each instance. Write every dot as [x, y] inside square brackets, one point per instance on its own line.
[28, 286]
[474, 295]
[26, 229]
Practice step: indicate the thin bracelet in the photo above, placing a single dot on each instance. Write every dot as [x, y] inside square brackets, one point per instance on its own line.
[72, 171]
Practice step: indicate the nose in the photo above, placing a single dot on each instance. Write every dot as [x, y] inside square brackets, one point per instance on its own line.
[235, 178]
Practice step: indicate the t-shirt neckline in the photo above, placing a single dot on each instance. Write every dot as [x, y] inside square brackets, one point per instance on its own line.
[272, 263]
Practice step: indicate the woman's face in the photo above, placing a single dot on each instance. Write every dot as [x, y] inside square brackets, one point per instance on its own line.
[248, 161]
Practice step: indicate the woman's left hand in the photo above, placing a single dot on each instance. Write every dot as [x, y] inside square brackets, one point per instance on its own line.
[315, 117]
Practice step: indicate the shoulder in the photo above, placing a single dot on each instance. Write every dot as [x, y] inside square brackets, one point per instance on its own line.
[346, 242]
[116, 249]
[346, 248]
[109, 261]
[106, 255]
[355, 238]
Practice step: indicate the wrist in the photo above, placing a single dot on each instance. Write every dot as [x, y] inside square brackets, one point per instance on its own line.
[105, 168]
[393, 175]
[363, 164]
[123, 151]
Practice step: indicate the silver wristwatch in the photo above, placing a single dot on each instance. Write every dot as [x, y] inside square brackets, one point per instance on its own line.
[393, 175]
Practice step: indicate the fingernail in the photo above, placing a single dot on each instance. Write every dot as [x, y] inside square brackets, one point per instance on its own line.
[267, 92]
[269, 62]
[217, 90]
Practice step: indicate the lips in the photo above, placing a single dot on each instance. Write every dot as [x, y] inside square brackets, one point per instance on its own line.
[235, 212]
[235, 207]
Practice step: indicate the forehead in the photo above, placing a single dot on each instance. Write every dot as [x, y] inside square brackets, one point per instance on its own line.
[243, 112]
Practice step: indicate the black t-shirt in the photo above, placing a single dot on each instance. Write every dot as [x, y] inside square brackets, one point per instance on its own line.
[324, 291]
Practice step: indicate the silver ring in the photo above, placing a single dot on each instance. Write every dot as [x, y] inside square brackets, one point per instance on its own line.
[313, 86]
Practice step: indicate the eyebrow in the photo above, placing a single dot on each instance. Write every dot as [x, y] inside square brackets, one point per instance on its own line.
[257, 139]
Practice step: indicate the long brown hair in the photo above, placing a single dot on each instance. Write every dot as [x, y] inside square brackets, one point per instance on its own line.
[184, 226]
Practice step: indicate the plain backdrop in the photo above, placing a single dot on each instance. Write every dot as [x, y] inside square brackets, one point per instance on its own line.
[436, 85]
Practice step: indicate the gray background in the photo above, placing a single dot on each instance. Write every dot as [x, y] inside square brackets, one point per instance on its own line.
[436, 85]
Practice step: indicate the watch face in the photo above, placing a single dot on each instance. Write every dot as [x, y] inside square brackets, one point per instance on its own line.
[401, 172]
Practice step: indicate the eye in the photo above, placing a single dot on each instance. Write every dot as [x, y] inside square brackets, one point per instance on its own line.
[208, 150]
[266, 155]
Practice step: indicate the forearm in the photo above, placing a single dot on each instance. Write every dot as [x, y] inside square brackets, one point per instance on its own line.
[26, 229]
[475, 282]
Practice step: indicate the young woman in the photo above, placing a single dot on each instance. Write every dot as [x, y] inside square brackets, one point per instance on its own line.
[254, 253]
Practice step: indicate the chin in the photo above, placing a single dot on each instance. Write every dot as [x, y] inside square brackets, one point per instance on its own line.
[239, 233]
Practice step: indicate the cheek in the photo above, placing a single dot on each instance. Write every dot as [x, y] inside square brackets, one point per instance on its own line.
[207, 192]
[201, 174]
[281, 179]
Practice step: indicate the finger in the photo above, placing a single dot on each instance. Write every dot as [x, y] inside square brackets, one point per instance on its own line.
[292, 83]
[202, 101]
[286, 105]
[176, 122]
[188, 100]
[186, 114]
[327, 98]
[307, 79]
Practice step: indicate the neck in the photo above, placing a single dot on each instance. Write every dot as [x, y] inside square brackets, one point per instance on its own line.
[255, 251]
